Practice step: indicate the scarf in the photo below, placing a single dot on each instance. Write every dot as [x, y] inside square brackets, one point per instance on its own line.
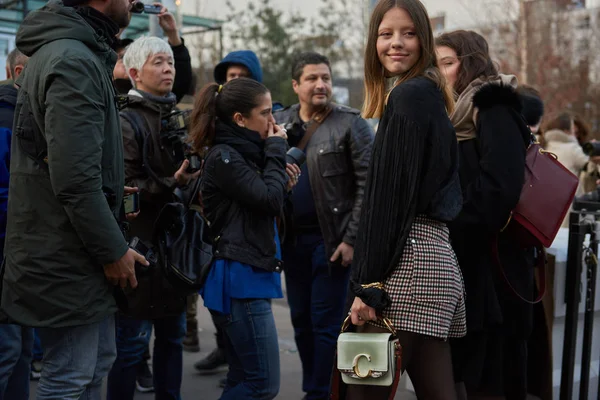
[464, 117]
[165, 103]
[246, 142]
[100, 23]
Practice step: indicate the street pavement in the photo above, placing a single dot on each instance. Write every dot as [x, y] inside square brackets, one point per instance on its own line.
[197, 387]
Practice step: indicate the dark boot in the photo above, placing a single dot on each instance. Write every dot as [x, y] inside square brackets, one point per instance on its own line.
[191, 343]
[213, 363]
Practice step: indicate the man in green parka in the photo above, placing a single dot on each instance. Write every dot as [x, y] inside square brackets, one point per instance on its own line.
[64, 248]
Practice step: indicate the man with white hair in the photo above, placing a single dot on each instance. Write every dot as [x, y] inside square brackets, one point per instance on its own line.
[148, 120]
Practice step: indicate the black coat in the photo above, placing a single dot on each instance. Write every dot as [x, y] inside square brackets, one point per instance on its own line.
[492, 168]
[241, 197]
[61, 229]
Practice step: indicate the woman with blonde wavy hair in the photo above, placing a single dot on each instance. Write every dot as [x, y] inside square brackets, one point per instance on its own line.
[404, 268]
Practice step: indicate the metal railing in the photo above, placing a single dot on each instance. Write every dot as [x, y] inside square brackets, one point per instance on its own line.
[581, 224]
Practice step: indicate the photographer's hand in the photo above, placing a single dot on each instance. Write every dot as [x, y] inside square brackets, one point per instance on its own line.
[167, 22]
[294, 173]
[182, 176]
[129, 190]
[122, 271]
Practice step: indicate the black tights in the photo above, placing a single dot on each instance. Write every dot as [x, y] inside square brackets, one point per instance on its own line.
[427, 361]
[461, 394]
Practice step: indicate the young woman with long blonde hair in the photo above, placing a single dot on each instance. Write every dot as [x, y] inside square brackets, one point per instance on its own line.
[404, 268]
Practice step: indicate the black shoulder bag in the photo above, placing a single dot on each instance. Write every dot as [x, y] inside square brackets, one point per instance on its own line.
[184, 245]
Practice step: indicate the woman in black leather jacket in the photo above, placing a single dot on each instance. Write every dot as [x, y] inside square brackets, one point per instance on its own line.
[243, 187]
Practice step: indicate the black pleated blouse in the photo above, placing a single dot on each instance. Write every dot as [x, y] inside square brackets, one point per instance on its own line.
[413, 171]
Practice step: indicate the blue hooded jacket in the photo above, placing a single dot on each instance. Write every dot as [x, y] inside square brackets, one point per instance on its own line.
[5, 138]
[8, 100]
[247, 58]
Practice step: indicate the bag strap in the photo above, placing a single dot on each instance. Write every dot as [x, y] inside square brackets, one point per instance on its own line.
[398, 354]
[334, 393]
[541, 265]
[226, 151]
[313, 125]
[136, 122]
[195, 192]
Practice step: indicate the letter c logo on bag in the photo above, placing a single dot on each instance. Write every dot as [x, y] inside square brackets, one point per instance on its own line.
[357, 370]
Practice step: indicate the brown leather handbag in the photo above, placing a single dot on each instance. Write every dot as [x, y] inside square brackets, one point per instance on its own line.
[545, 199]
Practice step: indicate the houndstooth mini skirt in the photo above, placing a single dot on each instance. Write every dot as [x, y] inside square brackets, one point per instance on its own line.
[426, 288]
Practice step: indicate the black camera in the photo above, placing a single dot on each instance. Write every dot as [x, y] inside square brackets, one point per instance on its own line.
[592, 149]
[138, 7]
[195, 163]
[142, 248]
[174, 136]
[176, 121]
[295, 156]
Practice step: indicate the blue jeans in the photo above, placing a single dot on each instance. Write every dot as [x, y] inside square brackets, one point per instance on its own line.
[317, 295]
[133, 337]
[76, 360]
[15, 361]
[38, 353]
[252, 350]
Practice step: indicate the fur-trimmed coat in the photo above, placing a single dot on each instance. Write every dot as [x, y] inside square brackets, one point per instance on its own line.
[491, 172]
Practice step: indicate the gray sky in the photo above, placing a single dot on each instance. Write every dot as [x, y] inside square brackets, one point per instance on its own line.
[459, 13]
[216, 8]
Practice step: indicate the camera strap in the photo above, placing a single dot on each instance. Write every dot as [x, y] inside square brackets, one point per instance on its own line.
[313, 125]
[138, 124]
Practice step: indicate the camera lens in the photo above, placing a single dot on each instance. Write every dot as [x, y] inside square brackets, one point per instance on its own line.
[295, 156]
[137, 7]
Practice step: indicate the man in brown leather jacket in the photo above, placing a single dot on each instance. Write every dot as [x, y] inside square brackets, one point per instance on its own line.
[323, 215]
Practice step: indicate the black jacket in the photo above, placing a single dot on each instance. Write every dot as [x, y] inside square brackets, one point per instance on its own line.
[413, 171]
[492, 170]
[8, 101]
[53, 275]
[337, 158]
[182, 84]
[157, 190]
[243, 189]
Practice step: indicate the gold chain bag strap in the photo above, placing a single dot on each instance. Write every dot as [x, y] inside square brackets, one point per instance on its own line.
[367, 359]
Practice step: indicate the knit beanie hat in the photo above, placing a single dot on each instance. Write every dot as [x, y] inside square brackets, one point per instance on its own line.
[533, 109]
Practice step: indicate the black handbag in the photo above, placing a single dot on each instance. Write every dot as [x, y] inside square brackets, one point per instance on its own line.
[184, 245]
[154, 297]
